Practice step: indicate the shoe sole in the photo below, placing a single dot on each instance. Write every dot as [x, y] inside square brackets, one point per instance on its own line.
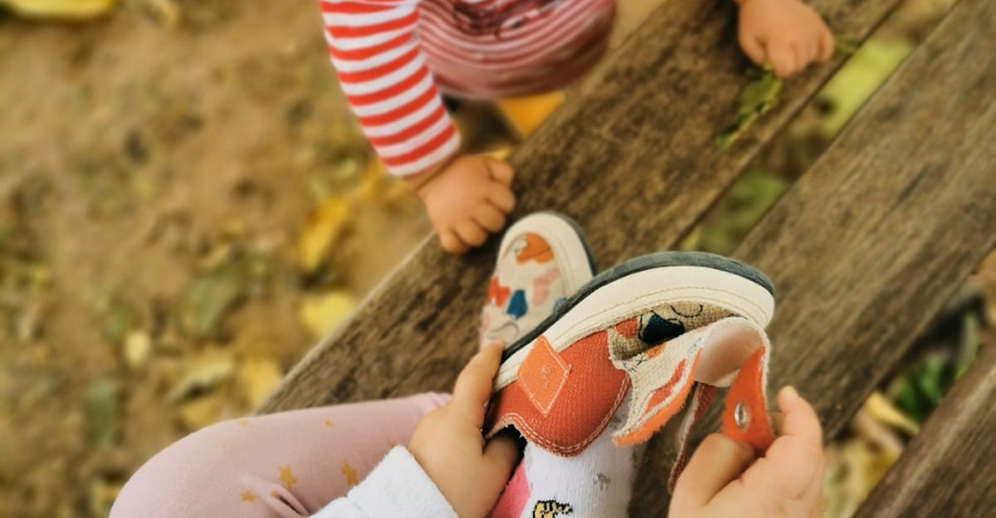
[632, 287]
[566, 239]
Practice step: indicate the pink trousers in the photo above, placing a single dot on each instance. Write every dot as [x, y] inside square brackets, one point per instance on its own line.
[281, 465]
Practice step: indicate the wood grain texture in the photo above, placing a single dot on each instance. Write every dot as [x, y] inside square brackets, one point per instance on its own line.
[871, 242]
[947, 470]
[631, 157]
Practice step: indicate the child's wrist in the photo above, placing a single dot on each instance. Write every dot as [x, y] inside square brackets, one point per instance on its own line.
[417, 182]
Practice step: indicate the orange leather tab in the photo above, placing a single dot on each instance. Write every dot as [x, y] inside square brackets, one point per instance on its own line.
[542, 375]
[745, 415]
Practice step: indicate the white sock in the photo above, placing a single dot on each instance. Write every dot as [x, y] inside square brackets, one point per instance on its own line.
[598, 483]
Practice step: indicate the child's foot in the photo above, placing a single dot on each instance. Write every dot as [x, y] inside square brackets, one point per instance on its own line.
[543, 260]
[668, 326]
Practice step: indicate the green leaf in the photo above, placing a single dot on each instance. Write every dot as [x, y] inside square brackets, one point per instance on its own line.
[759, 96]
[969, 345]
[101, 411]
[211, 296]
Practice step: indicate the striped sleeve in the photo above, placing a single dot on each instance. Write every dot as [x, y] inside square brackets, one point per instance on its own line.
[383, 72]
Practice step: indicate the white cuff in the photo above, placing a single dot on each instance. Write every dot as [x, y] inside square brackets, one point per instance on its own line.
[396, 487]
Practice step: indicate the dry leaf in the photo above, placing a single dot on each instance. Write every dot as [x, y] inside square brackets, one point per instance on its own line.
[138, 348]
[61, 9]
[880, 409]
[322, 229]
[203, 374]
[321, 314]
[202, 412]
[257, 378]
[852, 470]
[102, 495]
[166, 11]
[211, 296]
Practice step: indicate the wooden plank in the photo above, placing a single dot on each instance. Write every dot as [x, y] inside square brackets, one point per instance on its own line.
[631, 157]
[947, 470]
[871, 242]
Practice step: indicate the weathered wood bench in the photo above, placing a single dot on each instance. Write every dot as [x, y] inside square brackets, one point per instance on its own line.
[864, 249]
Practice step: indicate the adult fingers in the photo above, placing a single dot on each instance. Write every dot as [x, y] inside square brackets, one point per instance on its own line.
[473, 386]
[718, 461]
[471, 233]
[500, 170]
[490, 217]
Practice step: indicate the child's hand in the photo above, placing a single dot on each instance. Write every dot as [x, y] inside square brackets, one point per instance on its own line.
[786, 34]
[723, 480]
[467, 200]
[448, 444]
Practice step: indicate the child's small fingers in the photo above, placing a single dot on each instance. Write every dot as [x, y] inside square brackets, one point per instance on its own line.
[778, 421]
[473, 387]
[500, 170]
[502, 454]
[753, 48]
[827, 45]
[490, 217]
[471, 233]
[501, 196]
[782, 60]
[718, 461]
[812, 50]
[800, 418]
[789, 468]
[451, 242]
[800, 61]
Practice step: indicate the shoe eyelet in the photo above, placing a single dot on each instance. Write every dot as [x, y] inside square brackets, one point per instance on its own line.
[741, 416]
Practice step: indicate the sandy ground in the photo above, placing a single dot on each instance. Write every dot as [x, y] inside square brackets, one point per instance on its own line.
[155, 187]
[184, 208]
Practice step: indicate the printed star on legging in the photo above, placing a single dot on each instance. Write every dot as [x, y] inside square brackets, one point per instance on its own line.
[350, 474]
[287, 478]
[248, 497]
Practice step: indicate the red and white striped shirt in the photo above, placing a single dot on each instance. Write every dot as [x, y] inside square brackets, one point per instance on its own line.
[394, 57]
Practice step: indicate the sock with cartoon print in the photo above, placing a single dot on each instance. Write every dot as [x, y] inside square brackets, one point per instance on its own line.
[598, 481]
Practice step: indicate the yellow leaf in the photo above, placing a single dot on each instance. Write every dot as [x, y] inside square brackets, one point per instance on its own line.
[61, 9]
[203, 374]
[257, 378]
[881, 410]
[138, 347]
[321, 314]
[202, 412]
[322, 229]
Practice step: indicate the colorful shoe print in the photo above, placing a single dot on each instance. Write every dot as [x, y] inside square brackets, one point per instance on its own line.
[543, 259]
[623, 356]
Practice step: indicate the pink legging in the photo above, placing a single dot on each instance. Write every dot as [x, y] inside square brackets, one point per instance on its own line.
[281, 465]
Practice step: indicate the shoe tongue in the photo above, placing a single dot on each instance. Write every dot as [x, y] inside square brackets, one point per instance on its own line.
[661, 324]
[730, 349]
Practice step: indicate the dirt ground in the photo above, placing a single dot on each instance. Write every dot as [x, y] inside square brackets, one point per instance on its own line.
[186, 205]
[178, 208]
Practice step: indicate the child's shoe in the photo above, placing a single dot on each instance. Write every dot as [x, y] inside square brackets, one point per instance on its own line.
[543, 260]
[652, 331]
